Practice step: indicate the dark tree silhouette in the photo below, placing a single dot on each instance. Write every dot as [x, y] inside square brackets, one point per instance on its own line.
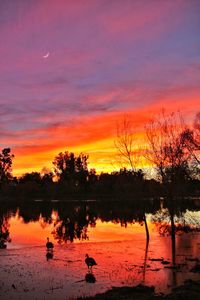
[191, 139]
[74, 226]
[6, 159]
[125, 144]
[71, 168]
[168, 152]
[47, 178]
[30, 177]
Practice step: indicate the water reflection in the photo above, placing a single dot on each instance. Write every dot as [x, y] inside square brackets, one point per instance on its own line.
[4, 230]
[145, 260]
[90, 278]
[71, 220]
[49, 254]
[139, 256]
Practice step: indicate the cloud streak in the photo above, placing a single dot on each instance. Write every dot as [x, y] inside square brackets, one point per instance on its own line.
[106, 58]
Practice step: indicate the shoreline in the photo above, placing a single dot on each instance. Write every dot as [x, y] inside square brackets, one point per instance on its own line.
[189, 290]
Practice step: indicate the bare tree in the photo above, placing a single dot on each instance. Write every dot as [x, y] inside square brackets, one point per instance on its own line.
[167, 149]
[125, 143]
[197, 126]
[196, 151]
[191, 139]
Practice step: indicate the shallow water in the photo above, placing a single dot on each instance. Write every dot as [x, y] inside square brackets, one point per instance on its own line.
[121, 254]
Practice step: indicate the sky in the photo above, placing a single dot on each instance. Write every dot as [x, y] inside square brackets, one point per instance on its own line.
[70, 71]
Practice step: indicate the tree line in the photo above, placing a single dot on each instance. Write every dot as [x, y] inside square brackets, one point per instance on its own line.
[172, 148]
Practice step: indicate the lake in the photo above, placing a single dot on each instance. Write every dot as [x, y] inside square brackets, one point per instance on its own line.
[112, 233]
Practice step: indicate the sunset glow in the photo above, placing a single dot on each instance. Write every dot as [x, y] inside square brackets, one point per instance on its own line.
[35, 233]
[70, 71]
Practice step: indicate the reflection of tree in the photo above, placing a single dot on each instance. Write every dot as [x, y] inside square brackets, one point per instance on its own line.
[73, 218]
[168, 228]
[6, 209]
[169, 222]
[145, 259]
[32, 212]
[163, 221]
[74, 225]
[4, 232]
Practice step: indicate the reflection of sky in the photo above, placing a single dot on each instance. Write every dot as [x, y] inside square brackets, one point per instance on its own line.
[188, 218]
[192, 217]
[119, 252]
[35, 233]
[106, 58]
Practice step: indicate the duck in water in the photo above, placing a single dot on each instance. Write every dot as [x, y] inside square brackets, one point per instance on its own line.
[90, 262]
[49, 245]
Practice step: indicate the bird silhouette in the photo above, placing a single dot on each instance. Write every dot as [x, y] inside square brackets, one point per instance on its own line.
[49, 245]
[90, 262]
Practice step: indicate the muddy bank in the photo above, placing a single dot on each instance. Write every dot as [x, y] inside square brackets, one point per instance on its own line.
[190, 290]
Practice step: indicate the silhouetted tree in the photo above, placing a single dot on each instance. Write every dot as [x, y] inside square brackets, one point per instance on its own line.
[81, 169]
[125, 143]
[47, 178]
[6, 159]
[167, 150]
[30, 177]
[92, 177]
[71, 168]
[46, 175]
[191, 139]
[197, 129]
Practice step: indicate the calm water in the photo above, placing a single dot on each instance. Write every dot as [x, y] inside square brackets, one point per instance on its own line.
[114, 235]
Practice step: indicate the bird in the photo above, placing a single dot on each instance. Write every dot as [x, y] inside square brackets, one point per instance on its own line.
[49, 245]
[90, 262]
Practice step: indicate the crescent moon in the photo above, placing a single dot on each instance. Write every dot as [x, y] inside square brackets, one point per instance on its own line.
[47, 55]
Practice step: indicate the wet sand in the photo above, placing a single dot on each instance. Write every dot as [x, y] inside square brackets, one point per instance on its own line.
[25, 273]
[121, 255]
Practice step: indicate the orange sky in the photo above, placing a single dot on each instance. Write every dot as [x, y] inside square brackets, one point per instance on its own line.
[94, 136]
[105, 59]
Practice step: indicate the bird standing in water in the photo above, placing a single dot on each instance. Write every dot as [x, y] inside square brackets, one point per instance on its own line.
[90, 262]
[49, 245]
